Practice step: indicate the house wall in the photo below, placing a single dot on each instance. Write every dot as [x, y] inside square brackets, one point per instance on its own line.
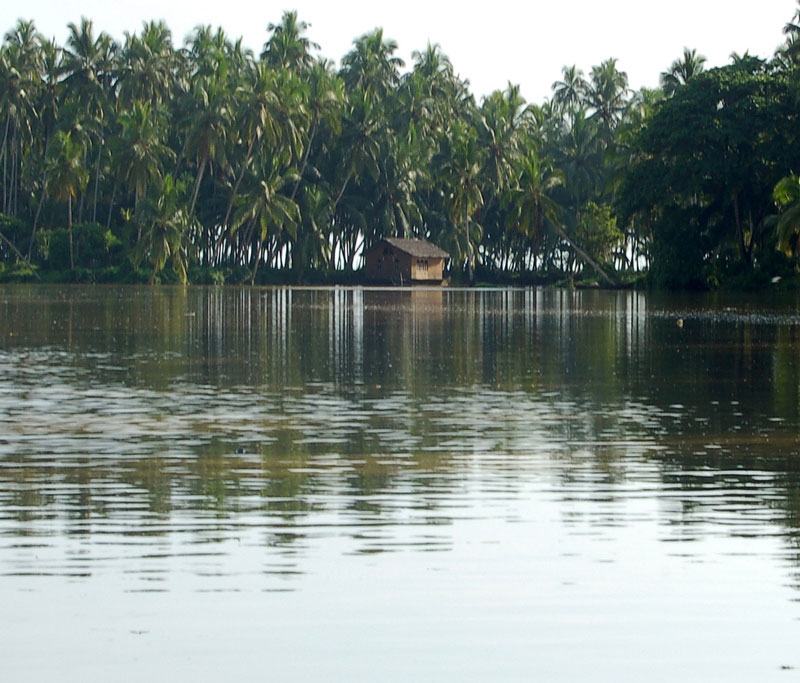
[426, 269]
[386, 264]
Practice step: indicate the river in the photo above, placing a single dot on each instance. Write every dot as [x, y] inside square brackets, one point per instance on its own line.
[402, 484]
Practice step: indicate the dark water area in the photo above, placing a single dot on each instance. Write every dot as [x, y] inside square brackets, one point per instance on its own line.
[418, 484]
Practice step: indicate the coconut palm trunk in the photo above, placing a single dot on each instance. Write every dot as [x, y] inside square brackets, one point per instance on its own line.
[583, 255]
[69, 224]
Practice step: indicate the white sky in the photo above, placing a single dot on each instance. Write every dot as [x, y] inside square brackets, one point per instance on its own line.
[525, 42]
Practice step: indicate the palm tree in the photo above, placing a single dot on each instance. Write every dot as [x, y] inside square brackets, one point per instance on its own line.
[142, 155]
[787, 197]
[266, 211]
[569, 94]
[579, 154]
[89, 64]
[358, 142]
[608, 90]
[259, 114]
[47, 105]
[371, 65]
[421, 92]
[681, 71]
[288, 47]
[463, 166]
[502, 121]
[531, 206]
[393, 208]
[324, 106]
[439, 95]
[312, 247]
[208, 124]
[435, 71]
[19, 80]
[164, 223]
[24, 39]
[149, 66]
[792, 32]
[67, 177]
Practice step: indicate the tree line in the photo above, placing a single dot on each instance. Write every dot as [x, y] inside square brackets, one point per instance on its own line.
[139, 161]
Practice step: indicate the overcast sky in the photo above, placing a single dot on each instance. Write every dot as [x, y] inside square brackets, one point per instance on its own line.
[490, 43]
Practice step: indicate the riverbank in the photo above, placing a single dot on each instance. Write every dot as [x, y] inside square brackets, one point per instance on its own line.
[127, 274]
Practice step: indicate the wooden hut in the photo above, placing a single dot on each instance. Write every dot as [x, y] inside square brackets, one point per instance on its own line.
[404, 261]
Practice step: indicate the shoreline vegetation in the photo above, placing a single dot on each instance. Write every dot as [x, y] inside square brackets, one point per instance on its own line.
[141, 162]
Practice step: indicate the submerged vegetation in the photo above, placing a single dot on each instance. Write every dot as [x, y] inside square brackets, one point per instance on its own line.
[142, 162]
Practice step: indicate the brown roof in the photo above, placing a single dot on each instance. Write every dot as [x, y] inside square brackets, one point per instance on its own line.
[416, 247]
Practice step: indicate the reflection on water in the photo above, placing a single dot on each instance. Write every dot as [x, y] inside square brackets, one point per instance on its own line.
[254, 440]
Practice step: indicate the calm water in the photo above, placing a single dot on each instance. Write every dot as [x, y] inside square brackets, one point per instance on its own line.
[367, 485]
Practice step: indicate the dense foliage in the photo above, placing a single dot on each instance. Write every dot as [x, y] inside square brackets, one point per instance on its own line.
[140, 161]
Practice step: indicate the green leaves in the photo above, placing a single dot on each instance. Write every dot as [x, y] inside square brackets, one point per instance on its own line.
[787, 229]
[714, 151]
[288, 163]
[163, 223]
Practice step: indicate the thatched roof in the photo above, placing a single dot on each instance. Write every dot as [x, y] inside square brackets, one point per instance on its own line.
[416, 247]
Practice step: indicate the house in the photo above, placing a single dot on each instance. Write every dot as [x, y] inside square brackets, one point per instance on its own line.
[403, 261]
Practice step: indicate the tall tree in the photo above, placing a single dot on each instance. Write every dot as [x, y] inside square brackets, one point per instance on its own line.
[164, 222]
[207, 122]
[142, 155]
[531, 204]
[149, 67]
[709, 158]
[19, 79]
[67, 177]
[570, 93]
[288, 47]
[90, 77]
[372, 66]
[265, 211]
[463, 167]
[681, 71]
[608, 96]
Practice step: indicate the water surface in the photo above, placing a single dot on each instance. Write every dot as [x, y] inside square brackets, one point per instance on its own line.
[351, 484]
